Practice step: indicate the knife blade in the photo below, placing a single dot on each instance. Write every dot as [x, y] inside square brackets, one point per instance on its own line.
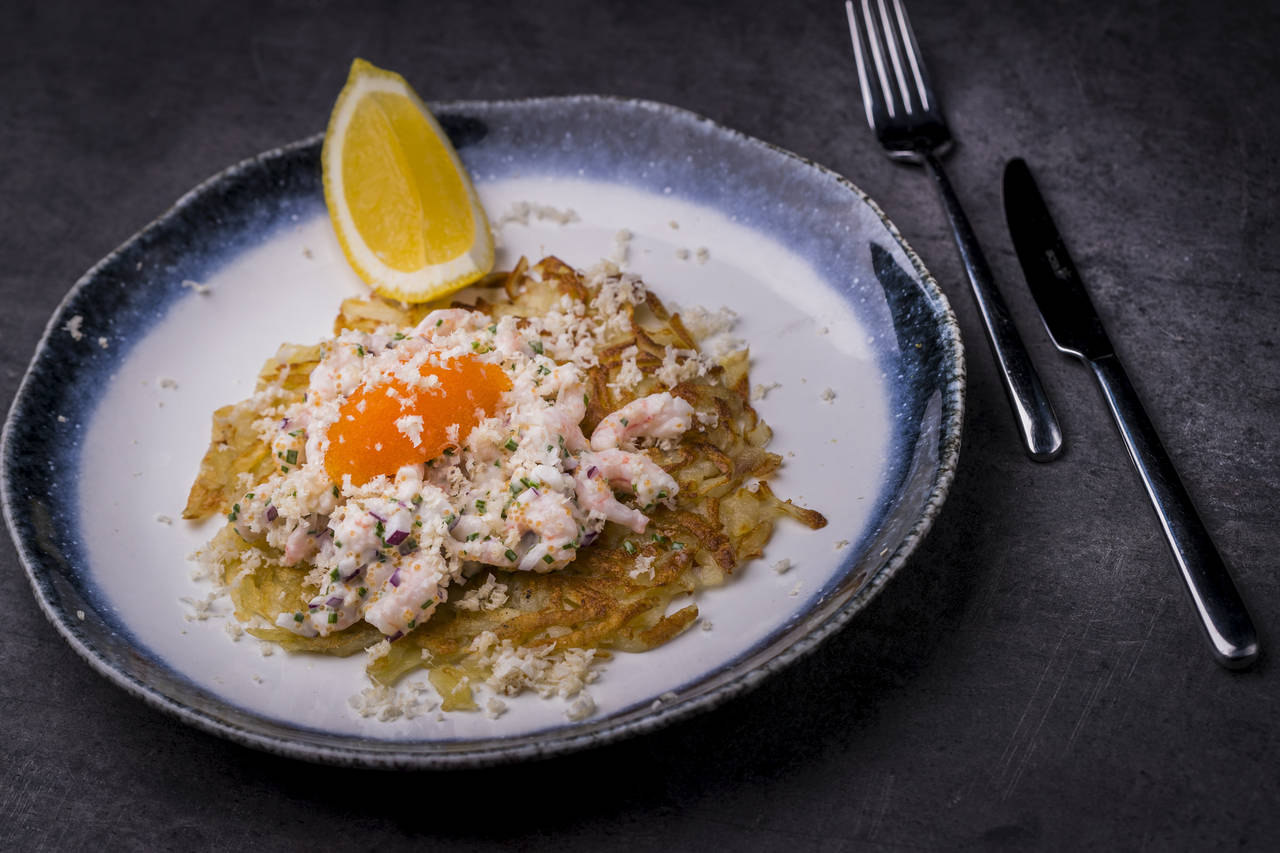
[1076, 329]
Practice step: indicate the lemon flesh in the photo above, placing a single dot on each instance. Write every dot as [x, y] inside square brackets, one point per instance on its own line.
[401, 202]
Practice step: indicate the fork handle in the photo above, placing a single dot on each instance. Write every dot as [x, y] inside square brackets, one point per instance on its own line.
[1037, 422]
[1217, 601]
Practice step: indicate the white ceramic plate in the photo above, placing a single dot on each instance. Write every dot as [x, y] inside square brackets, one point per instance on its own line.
[108, 428]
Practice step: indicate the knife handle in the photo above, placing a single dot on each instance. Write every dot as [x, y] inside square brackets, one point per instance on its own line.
[1037, 422]
[1216, 599]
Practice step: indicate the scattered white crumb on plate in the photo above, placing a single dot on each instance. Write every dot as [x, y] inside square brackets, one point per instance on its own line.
[782, 566]
[841, 544]
[164, 519]
[655, 705]
[72, 327]
[706, 626]
[621, 247]
[673, 225]
[702, 255]
[795, 590]
[759, 392]
[824, 330]
[62, 419]
[827, 395]
[682, 254]
[103, 342]
[80, 615]
[521, 212]
[581, 708]
[257, 679]
[195, 285]
[668, 696]
[494, 708]
[167, 382]
[266, 649]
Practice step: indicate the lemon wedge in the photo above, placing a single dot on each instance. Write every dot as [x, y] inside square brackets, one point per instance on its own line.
[400, 200]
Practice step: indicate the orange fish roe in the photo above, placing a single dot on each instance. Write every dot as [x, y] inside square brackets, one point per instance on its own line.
[366, 440]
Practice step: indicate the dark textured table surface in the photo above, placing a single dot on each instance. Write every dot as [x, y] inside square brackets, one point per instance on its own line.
[1033, 679]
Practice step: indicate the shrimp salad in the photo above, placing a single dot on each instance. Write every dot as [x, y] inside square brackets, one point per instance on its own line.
[522, 488]
[450, 457]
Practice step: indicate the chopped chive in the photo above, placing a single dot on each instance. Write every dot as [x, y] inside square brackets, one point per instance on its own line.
[511, 555]
[399, 336]
[481, 504]
[425, 605]
[662, 494]
[448, 451]
[629, 547]
[536, 346]
[624, 421]
[438, 322]
[297, 617]
[362, 592]
[449, 519]
[360, 350]
[333, 575]
[291, 456]
[413, 623]
[677, 546]
[493, 329]
[284, 469]
[546, 558]
[473, 537]
[333, 618]
[511, 444]
[336, 493]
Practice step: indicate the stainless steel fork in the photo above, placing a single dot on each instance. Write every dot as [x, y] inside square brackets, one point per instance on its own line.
[903, 110]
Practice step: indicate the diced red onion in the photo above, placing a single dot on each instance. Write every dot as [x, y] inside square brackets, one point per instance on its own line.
[591, 472]
[397, 537]
[590, 537]
[334, 601]
[375, 515]
[395, 578]
[397, 635]
[272, 512]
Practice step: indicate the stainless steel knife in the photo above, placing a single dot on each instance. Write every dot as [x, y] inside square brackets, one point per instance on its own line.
[1074, 325]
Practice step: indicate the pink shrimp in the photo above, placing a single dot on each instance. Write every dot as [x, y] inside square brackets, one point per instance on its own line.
[656, 416]
[598, 472]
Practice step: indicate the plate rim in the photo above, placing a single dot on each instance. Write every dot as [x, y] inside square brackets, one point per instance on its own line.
[479, 753]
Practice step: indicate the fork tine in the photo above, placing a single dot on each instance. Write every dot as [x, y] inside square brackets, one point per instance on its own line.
[912, 50]
[890, 38]
[863, 83]
[877, 97]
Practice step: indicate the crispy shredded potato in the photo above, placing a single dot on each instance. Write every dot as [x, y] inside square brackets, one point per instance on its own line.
[724, 514]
